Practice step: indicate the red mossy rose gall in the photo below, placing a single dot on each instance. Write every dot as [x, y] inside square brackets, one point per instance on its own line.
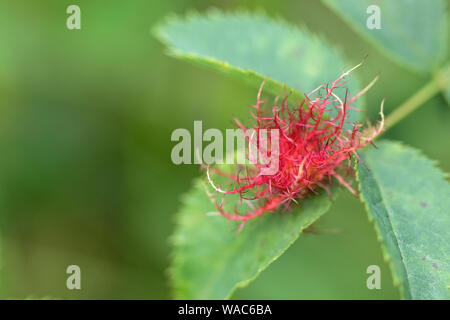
[316, 145]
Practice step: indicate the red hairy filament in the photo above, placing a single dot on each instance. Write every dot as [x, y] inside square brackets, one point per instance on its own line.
[316, 144]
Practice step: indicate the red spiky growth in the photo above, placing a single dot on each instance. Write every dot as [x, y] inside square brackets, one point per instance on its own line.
[313, 147]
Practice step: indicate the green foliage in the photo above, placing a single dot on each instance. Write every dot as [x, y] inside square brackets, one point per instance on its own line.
[408, 198]
[416, 38]
[210, 260]
[414, 33]
[253, 47]
[84, 169]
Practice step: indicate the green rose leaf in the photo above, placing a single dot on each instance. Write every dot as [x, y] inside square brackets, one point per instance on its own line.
[409, 200]
[211, 259]
[254, 47]
[412, 32]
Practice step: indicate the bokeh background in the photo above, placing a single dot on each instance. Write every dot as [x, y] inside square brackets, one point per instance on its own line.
[85, 171]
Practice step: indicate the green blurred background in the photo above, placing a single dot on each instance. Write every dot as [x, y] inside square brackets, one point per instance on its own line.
[85, 170]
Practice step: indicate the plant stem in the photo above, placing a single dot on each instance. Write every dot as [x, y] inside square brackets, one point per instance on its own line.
[439, 82]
